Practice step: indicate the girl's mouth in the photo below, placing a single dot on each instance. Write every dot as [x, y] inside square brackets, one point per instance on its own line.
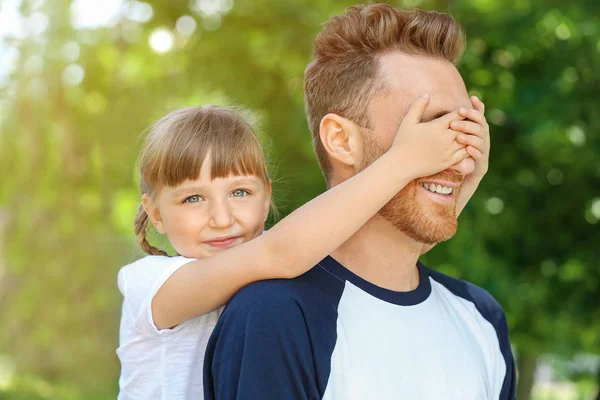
[222, 242]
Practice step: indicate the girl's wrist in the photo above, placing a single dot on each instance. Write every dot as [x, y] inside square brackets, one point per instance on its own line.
[398, 167]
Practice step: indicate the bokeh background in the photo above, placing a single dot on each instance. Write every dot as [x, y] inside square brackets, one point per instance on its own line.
[80, 80]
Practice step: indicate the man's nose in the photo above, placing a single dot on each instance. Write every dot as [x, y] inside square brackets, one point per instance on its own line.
[465, 167]
[220, 215]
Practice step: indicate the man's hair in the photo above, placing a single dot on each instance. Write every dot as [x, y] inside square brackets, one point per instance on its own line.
[342, 76]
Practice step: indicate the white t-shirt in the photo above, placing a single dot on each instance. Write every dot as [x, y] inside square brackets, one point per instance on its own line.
[158, 363]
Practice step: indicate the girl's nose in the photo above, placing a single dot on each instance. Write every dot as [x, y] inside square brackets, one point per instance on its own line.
[220, 215]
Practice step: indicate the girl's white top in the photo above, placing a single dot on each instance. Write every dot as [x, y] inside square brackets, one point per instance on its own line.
[158, 363]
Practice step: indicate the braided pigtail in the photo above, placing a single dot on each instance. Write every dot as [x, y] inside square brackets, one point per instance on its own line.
[141, 225]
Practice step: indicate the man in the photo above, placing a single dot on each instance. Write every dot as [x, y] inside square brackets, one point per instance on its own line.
[370, 321]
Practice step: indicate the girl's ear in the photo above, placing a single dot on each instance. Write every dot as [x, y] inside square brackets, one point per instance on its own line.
[153, 213]
[342, 140]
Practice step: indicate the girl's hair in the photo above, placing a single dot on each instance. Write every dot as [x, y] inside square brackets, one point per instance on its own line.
[177, 144]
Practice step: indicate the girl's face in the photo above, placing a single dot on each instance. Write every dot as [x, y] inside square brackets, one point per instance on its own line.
[204, 216]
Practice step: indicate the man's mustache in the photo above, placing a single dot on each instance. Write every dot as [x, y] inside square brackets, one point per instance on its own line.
[446, 176]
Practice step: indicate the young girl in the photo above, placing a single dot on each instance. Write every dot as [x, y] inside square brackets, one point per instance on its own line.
[205, 185]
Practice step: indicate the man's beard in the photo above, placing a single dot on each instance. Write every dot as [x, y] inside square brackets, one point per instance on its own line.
[425, 223]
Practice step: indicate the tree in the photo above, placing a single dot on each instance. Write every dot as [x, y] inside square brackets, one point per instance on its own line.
[79, 98]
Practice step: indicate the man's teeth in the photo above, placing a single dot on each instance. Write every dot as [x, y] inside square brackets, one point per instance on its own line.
[432, 187]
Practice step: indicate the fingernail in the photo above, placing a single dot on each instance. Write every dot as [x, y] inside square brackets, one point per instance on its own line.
[462, 110]
[425, 95]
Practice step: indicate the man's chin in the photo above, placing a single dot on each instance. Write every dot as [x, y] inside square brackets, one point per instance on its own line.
[431, 233]
[427, 226]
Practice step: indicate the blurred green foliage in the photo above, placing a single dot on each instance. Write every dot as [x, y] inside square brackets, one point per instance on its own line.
[74, 105]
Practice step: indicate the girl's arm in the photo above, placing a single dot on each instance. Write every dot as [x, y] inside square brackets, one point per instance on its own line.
[310, 233]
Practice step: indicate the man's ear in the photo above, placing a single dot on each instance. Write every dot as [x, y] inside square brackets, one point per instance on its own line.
[153, 213]
[341, 139]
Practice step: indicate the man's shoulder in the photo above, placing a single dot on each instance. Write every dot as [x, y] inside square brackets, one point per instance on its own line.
[269, 323]
[487, 305]
[272, 297]
[270, 293]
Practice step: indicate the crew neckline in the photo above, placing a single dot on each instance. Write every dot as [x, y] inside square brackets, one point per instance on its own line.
[410, 298]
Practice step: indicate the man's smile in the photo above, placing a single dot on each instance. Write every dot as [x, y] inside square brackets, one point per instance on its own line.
[439, 190]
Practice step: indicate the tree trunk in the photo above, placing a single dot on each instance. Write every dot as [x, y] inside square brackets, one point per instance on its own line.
[526, 368]
[598, 382]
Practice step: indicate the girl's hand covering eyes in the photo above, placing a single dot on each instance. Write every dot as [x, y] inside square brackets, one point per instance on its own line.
[476, 136]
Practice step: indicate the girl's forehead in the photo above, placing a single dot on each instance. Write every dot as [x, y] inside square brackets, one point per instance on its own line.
[211, 170]
[207, 183]
[229, 179]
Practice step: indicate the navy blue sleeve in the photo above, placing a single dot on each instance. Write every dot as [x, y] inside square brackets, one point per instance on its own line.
[261, 348]
[509, 386]
[493, 312]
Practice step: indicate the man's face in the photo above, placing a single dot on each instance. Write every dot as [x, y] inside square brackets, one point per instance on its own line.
[424, 216]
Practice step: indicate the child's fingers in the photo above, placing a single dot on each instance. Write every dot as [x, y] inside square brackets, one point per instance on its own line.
[473, 115]
[478, 104]
[459, 155]
[417, 108]
[446, 119]
[467, 127]
[471, 140]
[475, 153]
[457, 146]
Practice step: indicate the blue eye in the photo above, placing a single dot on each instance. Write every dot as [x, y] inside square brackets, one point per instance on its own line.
[193, 199]
[240, 193]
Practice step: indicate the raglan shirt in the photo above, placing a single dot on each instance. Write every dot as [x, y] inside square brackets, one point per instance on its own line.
[330, 334]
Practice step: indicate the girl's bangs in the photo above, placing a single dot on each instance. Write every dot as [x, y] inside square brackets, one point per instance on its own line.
[229, 153]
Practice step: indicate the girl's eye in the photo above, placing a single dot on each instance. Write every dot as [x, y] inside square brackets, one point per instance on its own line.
[193, 199]
[240, 193]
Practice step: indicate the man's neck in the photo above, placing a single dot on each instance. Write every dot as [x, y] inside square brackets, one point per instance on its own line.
[382, 255]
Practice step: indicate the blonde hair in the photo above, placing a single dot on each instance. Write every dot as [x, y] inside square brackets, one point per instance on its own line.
[342, 76]
[177, 144]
